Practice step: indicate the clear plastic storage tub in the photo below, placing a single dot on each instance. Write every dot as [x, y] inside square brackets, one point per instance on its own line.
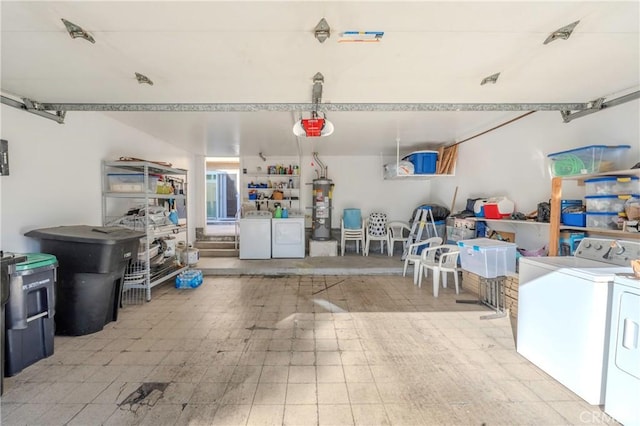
[608, 203]
[612, 185]
[131, 182]
[488, 258]
[604, 220]
[588, 159]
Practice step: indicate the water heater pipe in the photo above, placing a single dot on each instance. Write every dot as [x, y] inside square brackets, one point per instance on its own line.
[323, 168]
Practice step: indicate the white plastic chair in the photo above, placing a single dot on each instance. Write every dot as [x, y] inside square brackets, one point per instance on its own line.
[447, 262]
[352, 234]
[413, 256]
[376, 226]
[396, 232]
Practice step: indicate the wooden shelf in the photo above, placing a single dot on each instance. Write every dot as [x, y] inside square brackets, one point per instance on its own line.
[510, 221]
[556, 196]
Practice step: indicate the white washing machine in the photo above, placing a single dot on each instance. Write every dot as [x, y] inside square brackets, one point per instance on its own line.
[622, 401]
[288, 236]
[564, 309]
[255, 235]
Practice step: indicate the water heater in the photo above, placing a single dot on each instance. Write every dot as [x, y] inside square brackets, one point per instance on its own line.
[321, 221]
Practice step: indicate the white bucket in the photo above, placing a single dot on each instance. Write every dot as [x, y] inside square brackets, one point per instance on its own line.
[189, 256]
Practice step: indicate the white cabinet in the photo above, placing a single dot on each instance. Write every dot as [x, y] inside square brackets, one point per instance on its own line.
[152, 198]
[556, 196]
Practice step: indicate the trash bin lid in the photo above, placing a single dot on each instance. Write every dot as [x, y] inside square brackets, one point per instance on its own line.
[87, 234]
[36, 260]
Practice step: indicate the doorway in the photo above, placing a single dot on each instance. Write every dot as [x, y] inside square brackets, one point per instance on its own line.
[222, 191]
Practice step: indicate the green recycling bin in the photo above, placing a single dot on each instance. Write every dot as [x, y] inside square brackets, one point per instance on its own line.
[30, 312]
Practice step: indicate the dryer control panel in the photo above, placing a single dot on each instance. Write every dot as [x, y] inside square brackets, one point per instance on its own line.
[609, 250]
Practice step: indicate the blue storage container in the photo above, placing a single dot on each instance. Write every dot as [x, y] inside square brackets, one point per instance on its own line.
[424, 162]
[574, 219]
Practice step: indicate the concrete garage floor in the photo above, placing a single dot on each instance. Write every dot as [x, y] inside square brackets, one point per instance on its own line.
[295, 350]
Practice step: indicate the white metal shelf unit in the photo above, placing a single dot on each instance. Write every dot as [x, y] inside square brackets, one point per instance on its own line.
[138, 206]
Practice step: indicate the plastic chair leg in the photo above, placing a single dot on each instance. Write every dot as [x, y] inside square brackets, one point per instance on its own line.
[436, 281]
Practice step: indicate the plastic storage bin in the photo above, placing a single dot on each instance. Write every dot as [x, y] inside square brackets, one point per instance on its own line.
[604, 220]
[424, 162]
[488, 258]
[30, 312]
[92, 261]
[588, 159]
[131, 182]
[612, 185]
[608, 203]
[455, 234]
[574, 219]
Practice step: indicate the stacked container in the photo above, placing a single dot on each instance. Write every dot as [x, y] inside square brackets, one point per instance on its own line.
[606, 198]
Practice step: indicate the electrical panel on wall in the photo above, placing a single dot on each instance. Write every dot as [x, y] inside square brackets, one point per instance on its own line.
[4, 158]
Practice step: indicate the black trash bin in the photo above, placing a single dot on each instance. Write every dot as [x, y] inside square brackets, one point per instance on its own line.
[30, 312]
[7, 267]
[92, 262]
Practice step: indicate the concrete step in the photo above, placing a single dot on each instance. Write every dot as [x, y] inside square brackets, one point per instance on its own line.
[216, 238]
[219, 245]
[219, 252]
[217, 248]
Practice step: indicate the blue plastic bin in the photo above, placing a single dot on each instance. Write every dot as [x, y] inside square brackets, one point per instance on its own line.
[424, 162]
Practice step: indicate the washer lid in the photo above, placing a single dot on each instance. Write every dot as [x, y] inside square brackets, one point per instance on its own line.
[583, 268]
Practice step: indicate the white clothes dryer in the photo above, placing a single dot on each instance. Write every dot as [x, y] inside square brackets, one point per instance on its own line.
[564, 308]
[622, 400]
[288, 236]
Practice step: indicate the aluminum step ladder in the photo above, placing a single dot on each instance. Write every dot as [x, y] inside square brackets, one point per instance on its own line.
[422, 219]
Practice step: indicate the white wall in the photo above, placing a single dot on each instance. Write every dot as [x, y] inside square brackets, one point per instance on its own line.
[55, 170]
[358, 183]
[511, 161]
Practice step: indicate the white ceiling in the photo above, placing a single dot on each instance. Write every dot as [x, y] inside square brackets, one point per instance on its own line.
[222, 52]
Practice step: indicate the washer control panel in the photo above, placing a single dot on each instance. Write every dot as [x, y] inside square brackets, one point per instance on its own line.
[609, 250]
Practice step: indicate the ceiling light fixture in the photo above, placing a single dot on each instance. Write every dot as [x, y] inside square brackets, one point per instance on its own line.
[143, 79]
[322, 30]
[315, 126]
[75, 31]
[561, 33]
[491, 79]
